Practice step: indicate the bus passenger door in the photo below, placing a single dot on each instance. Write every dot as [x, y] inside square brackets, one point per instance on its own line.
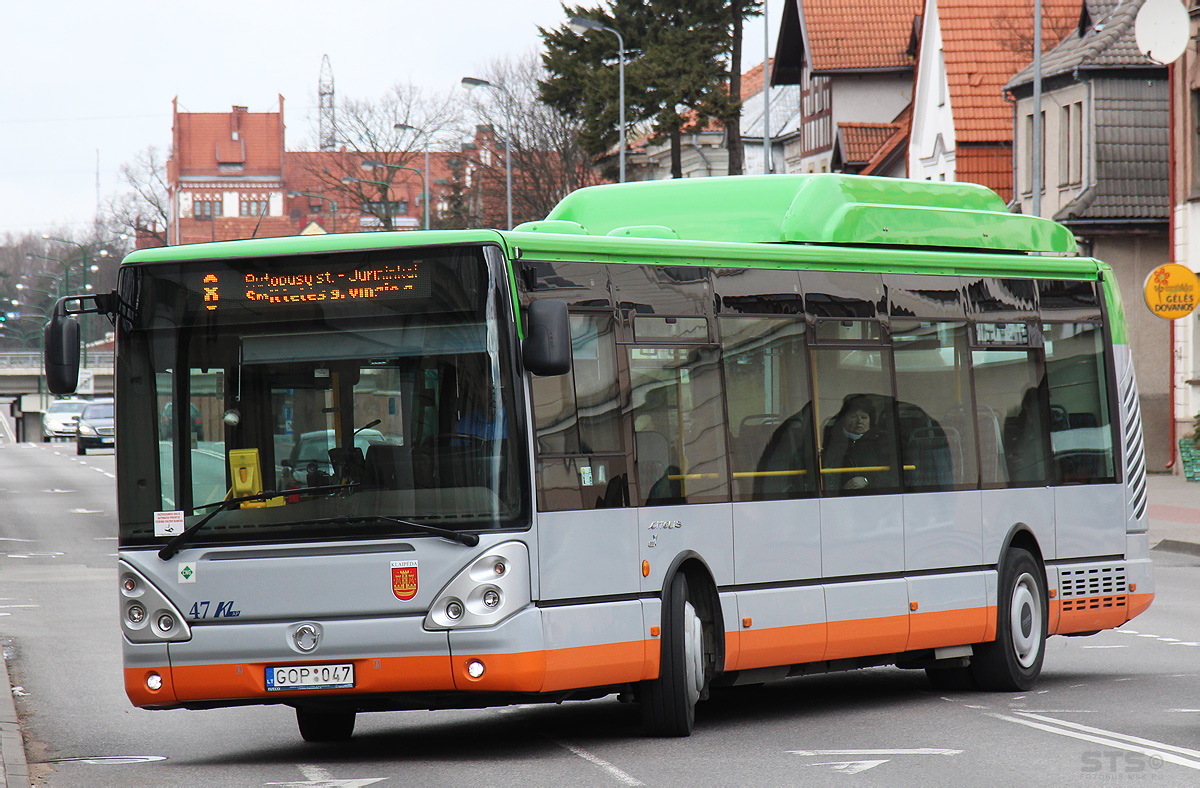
[587, 531]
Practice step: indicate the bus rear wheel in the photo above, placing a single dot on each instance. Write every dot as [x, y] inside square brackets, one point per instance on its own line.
[324, 726]
[1013, 661]
[669, 702]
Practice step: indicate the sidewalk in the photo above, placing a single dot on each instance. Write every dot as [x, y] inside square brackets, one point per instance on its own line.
[1174, 513]
[14, 772]
[1174, 526]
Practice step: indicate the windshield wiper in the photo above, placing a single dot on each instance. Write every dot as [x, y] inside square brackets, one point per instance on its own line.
[462, 537]
[172, 547]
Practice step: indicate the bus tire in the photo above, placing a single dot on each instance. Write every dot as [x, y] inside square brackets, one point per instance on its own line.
[324, 726]
[1013, 661]
[669, 702]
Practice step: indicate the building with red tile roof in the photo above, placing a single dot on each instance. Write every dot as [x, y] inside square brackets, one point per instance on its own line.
[852, 61]
[1105, 175]
[230, 176]
[962, 125]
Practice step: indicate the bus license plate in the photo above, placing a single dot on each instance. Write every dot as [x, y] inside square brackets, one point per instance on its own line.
[310, 677]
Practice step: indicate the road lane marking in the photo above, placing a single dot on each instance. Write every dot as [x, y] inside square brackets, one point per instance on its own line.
[864, 761]
[1124, 646]
[864, 753]
[850, 767]
[317, 776]
[1167, 752]
[596, 760]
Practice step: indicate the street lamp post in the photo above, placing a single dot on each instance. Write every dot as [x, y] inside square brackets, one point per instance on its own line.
[580, 25]
[473, 82]
[371, 164]
[87, 264]
[350, 180]
[425, 177]
[333, 206]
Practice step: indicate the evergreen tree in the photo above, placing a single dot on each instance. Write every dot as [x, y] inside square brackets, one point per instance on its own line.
[676, 69]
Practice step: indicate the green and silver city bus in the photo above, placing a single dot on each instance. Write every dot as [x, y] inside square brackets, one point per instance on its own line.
[678, 435]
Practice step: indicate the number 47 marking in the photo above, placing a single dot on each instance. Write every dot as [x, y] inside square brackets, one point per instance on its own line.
[199, 610]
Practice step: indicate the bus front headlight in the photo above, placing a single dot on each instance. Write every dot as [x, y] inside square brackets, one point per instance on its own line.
[149, 617]
[490, 589]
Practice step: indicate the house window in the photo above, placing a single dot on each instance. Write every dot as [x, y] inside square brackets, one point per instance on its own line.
[1195, 186]
[206, 209]
[379, 208]
[1064, 145]
[940, 76]
[251, 207]
[1029, 152]
[1075, 144]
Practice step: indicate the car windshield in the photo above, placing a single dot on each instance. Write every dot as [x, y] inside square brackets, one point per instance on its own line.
[63, 407]
[100, 410]
[403, 405]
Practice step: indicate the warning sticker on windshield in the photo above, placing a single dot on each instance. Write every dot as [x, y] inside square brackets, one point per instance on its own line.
[404, 579]
[168, 523]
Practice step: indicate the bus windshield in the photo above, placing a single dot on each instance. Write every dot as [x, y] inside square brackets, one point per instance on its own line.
[382, 379]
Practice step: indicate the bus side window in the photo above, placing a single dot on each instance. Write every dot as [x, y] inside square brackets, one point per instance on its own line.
[1080, 432]
[769, 408]
[679, 429]
[933, 385]
[857, 417]
[1011, 421]
[577, 421]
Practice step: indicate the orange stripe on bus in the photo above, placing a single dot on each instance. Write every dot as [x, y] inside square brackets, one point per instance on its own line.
[558, 669]
[865, 636]
[939, 628]
[141, 695]
[1085, 614]
[761, 648]
[248, 679]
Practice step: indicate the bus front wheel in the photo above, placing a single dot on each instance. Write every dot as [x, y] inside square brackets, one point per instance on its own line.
[1013, 661]
[324, 726]
[669, 702]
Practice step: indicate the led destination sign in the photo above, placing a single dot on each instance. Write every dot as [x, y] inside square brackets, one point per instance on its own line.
[378, 283]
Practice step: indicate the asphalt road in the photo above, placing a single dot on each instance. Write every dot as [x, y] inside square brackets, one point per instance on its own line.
[1120, 706]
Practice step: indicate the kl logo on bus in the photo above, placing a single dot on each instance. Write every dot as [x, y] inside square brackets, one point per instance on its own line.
[404, 579]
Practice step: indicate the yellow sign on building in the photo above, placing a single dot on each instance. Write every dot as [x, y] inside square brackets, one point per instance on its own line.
[1171, 291]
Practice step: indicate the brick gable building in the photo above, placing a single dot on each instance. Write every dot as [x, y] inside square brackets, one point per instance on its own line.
[230, 176]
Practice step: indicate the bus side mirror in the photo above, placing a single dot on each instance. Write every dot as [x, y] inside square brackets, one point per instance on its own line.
[547, 345]
[61, 337]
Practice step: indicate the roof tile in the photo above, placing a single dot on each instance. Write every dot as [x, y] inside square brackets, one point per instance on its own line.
[852, 34]
[983, 46]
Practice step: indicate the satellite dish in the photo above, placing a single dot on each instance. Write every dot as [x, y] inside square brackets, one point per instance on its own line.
[1161, 30]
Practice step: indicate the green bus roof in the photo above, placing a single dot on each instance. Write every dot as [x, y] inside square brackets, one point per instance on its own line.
[822, 208]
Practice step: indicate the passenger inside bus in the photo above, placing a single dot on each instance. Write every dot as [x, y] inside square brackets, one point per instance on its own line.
[856, 454]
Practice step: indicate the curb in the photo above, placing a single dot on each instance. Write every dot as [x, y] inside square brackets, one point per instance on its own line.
[14, 771]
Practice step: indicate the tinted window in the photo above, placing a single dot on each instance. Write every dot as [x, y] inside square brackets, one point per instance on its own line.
[936, 423]
[769, 406]
[1080, 433]
[577, 416]
[679, 425]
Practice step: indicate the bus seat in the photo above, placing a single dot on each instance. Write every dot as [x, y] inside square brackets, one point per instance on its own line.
[653, 457]
[389, 467]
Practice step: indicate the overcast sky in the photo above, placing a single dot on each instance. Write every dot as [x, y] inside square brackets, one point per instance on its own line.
[88, 85]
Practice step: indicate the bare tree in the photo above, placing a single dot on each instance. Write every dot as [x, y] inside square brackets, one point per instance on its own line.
[143, 211]
[547, 160]
[393, 132]
[1015, 33]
